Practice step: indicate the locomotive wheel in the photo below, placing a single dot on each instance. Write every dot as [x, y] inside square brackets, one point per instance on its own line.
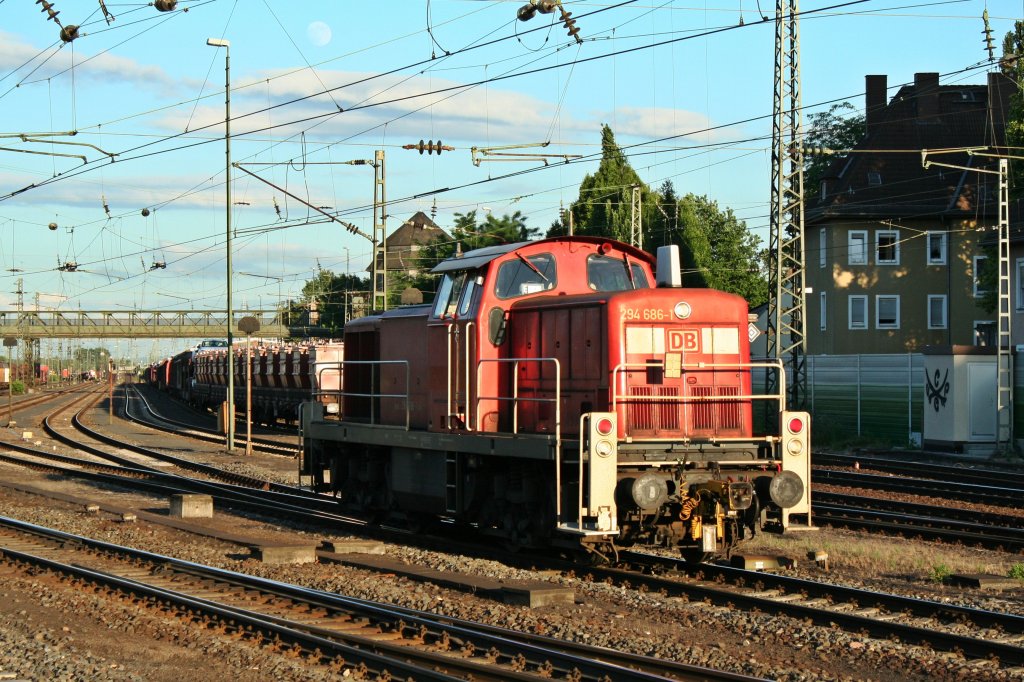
[693, 555]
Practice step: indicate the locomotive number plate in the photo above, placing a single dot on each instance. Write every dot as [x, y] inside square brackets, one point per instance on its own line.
[644, 314]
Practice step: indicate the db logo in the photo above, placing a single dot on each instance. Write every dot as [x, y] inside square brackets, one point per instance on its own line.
[683, 341]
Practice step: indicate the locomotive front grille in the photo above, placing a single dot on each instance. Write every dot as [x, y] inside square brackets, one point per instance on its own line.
[662, 413]
[660, 409]
[715, 415]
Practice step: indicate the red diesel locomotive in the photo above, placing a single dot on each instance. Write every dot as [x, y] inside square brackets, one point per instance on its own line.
[556, 394]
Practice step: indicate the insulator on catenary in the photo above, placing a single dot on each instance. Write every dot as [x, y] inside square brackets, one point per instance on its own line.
[430, 147]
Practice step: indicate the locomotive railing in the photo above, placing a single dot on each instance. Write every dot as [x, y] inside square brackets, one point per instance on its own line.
[682, 400]
[515, 398]
[453, 330]
[339, 366]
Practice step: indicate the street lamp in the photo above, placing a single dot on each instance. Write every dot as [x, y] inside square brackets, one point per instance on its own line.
[10, 342]
[220, 42]
[248, 325]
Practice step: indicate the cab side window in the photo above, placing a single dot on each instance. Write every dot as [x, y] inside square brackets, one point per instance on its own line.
[522, 276]
[448, 294]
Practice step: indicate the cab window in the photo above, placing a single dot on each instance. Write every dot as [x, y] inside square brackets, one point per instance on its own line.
[608, 273]
[472, 284]
[524, 275]
[448, 294]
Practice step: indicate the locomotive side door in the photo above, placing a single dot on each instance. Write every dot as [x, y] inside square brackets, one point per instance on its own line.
[451, 338]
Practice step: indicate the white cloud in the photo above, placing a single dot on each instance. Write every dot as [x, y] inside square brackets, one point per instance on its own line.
[104, 68]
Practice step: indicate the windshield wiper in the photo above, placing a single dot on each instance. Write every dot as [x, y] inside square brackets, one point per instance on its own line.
[532, 266]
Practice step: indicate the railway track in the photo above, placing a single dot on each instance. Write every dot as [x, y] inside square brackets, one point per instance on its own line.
[155, 420]
[976, 633]
[990, 635]
[969, 474]
[355, 637]
[948, 524]
[953, 490]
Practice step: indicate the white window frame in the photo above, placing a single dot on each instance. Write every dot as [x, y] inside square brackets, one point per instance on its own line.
[978, 292]
[1020, 284]
[878, 310]
[849, 311]
[822, 310]
[943, 240]
[822, 255]
[945, 311]
[863, 260]
[895, 234]
[977, 323]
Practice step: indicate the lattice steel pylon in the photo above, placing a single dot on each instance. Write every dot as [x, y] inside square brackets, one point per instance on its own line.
[380, 238]
[1004, 369]
[786, 335]
[636, 235]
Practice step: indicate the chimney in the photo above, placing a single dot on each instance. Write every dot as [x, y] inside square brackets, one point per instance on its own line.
[926, 91]
[875, 99]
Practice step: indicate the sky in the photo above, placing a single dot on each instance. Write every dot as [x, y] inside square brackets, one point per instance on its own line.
[685, 85]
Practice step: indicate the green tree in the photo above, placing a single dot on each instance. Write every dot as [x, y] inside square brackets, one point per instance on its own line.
[467, 234]
[1012, 66]
[718, 251]
[604, 206]
[832, 129]
[334, 296]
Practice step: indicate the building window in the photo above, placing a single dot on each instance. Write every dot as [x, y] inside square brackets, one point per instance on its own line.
[887, 312]
[858, 247]
[936, 248]
[1020, 284]
[874, 178]
[821, 249]
[858, 313]
[937, 311]
[821, 309]
[887, 247]
[984, 333]
[980, 265]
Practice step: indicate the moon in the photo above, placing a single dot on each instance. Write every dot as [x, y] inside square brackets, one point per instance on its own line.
[318, 33]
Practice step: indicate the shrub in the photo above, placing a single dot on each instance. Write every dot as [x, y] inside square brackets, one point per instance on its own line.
[940, 572]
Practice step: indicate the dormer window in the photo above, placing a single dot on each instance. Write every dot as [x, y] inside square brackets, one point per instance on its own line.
[874, 178]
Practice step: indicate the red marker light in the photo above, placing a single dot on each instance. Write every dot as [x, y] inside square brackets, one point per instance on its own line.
[796, 425]
[604, 426]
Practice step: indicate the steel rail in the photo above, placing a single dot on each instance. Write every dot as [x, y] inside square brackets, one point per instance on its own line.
[547, 655]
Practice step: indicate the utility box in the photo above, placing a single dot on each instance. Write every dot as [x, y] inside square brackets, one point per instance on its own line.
[960, 399]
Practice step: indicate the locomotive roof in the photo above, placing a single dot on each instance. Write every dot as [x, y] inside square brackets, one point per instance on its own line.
[479, 257]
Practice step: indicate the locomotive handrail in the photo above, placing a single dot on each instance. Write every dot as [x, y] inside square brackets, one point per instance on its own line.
[618, 399]
[700, 366]
[516, 399]
[339, 366]
[452, 330]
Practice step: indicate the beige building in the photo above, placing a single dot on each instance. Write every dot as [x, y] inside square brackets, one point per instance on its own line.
[893, 251]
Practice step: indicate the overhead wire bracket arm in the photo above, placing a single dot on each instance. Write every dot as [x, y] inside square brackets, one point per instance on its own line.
[30, 151]
[348, 226]
[26, 138]
[478, 152]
